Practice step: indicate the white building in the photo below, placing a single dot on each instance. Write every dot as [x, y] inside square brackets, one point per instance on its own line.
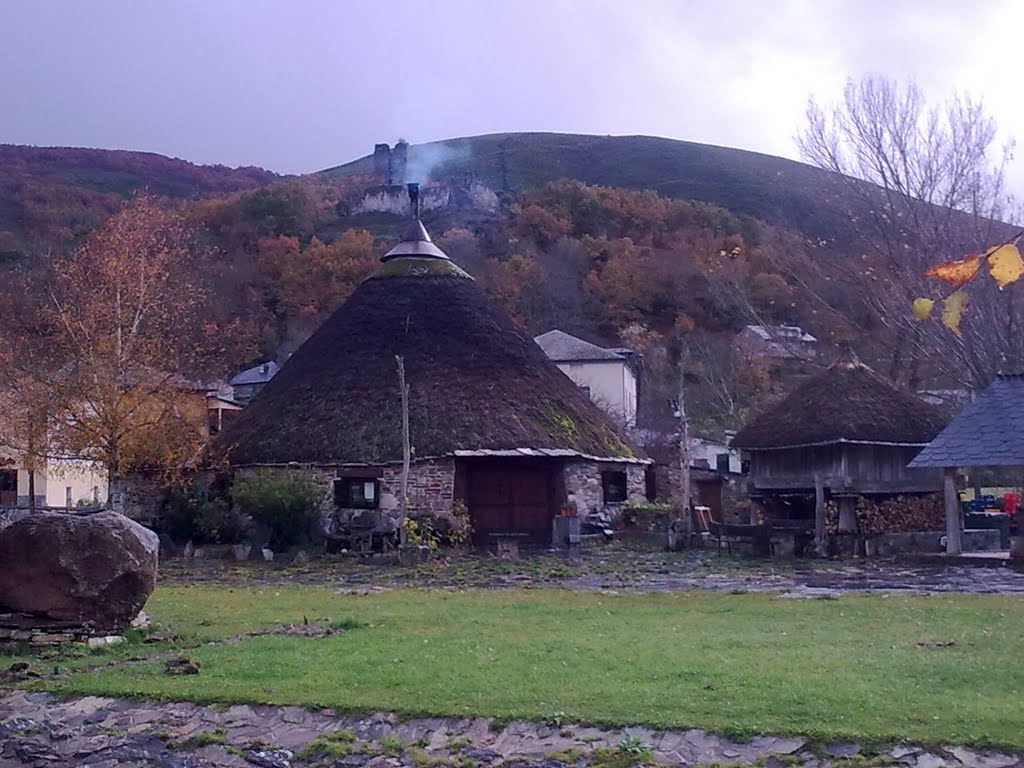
[606, 375]
[715, 454]
[62, 483]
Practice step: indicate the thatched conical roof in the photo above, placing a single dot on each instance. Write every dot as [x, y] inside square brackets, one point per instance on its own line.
[476, 382]
[848, 402]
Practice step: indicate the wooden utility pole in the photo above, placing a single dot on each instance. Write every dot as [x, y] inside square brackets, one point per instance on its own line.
[406, 449]
[686, 529]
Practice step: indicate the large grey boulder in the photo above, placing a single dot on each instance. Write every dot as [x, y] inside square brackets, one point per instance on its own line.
[93, 570]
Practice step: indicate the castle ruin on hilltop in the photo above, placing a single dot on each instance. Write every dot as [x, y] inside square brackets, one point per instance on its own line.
[391, 171]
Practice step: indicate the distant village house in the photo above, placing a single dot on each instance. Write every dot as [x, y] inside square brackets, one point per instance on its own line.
[607, 376]
[247, 384]
[776, 344]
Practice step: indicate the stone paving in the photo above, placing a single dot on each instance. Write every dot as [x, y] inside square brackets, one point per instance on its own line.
[38, 730]
[616, 567]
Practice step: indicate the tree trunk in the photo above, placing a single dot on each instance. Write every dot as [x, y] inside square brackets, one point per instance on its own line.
[31, 490]
[406, 451]
[953, 546]
[113, 489]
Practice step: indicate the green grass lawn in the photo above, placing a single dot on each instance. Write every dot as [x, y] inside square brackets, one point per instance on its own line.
[933, 669]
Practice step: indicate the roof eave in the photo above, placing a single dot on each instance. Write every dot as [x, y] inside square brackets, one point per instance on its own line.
[556, 453]
[819, 444]
[924, 462]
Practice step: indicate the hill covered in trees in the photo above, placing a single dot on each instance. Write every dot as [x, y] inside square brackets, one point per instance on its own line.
[668, 247]
[54, 194]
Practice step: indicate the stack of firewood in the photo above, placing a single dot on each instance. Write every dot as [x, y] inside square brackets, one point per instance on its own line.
[898, 514]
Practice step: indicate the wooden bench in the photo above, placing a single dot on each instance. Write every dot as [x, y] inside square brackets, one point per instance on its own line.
[724, 535]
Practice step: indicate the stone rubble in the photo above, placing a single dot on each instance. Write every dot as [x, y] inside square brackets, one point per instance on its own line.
[41, 731]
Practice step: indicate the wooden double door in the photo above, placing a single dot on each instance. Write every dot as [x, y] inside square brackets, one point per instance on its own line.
[518, 497]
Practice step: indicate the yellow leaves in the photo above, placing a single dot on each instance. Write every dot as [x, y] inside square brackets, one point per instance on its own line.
[923, 308]
[953, 309]
[1005, 264]
[956, 273]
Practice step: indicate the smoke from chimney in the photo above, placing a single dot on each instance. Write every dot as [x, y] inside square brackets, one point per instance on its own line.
[414, 198]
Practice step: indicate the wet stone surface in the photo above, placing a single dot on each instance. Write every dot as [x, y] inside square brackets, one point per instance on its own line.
[615, 568]
[38, 730]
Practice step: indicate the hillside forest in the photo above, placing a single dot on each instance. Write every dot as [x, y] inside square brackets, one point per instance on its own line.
[269, 258]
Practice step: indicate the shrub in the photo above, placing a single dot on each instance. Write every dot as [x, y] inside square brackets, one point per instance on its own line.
[420, 533]
[190, 515]
[217, 523]
[287, 502]
[646, 516]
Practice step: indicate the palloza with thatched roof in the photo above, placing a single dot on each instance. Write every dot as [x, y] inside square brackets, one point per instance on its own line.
[492, 421]
[846, 432]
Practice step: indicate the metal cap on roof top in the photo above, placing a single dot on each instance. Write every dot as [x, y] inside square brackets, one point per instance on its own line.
[416, 241]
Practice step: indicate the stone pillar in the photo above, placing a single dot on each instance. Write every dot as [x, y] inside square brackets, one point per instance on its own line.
[819, 516]
[381, 161]
[953, 546]
[847, 514]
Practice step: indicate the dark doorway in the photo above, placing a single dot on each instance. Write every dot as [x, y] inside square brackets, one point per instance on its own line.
[709, 494]
[8, 487]
[512, 496]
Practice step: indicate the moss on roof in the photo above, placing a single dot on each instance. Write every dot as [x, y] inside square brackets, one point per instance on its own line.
[413, 267]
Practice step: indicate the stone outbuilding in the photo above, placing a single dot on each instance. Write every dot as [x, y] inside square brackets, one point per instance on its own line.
[493, 423]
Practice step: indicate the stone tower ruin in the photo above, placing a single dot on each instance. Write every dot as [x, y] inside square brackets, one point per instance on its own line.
[389, 164]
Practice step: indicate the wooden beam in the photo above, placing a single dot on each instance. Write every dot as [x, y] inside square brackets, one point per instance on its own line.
[953, 546]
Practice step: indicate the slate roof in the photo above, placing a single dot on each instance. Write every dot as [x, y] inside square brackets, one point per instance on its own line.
[563, 347]
[787, 332]
[258, 374]
[988, 432]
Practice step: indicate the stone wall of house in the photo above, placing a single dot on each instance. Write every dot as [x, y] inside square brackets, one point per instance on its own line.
[583, 485]
[431, 486]
[141, 497]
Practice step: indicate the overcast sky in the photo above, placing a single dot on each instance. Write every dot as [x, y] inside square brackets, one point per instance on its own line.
[299, 85]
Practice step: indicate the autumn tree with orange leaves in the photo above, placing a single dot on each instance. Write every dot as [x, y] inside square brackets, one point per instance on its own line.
[124, 319]
[304, 285]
